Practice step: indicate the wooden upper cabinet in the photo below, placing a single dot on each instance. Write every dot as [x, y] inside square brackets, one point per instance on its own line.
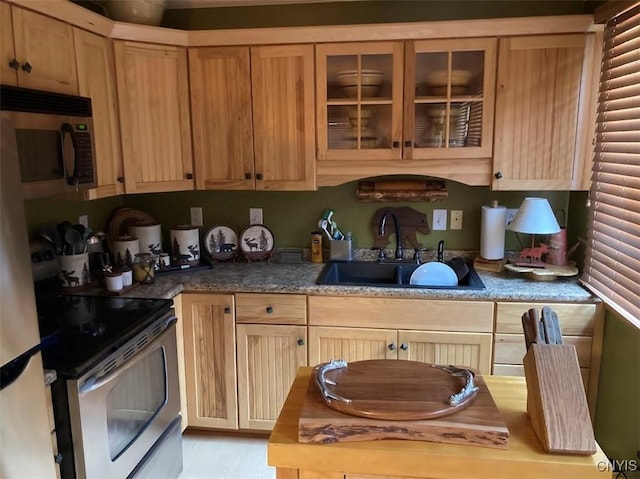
[8, 63]
[427, 101]
[545, 107]
[153, 98]
[282, 82]
[449, 98]
[253, 117]
[96, 79]
[221, 114]
[44, 49]
[359, 101]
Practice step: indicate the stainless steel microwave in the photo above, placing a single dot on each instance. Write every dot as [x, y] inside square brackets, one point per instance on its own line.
[54, 135]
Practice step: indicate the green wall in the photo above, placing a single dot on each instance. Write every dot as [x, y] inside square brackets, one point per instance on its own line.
[345, 13]
[618, 413]
[291, 216]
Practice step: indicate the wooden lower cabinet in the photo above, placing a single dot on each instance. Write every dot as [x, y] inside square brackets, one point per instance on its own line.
[439, 347]
[446, 347]
[581, 324]
[210, 360]
[268, 359]
[350, 344]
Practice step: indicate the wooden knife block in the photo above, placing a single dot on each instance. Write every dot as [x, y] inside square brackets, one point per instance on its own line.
[556, 400]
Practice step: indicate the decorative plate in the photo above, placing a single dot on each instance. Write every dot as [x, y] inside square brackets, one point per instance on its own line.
[221, 242]
[257, 242]
[122, 218]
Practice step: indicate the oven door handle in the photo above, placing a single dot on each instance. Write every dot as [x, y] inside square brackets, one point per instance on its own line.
[97, 381]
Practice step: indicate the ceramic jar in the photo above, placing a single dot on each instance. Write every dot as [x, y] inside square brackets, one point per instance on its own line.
[185, 245]
[123, 250]
[74, 270]
[149, 237]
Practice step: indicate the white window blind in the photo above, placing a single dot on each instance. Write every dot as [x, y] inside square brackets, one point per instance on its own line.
[612, 266]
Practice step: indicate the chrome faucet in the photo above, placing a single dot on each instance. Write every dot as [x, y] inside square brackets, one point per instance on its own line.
[383, 221]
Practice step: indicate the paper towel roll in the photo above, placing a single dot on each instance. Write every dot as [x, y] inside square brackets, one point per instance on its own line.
[492, 232]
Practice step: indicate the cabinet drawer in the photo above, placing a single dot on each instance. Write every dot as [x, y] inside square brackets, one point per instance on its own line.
[510, 349]
[518, 370]
[575, 319]
[271, 308]
[420, 314]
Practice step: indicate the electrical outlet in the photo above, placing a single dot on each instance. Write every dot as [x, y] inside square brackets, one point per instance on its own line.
[456, 220]
[83, 220]
[255, 216]
[196, 216]
[439, 220]
[511, 212]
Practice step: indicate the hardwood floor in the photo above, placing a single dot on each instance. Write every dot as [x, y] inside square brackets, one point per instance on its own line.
[218, 456]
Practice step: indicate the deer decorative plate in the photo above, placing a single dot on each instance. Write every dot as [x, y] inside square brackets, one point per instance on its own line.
[257, 242]
[221, 242]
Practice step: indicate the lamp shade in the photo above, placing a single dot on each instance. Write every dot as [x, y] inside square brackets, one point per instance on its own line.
[534, 217]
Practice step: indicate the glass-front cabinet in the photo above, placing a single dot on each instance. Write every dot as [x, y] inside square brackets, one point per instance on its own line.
[359, 95]
[430, 99]
[449, 97]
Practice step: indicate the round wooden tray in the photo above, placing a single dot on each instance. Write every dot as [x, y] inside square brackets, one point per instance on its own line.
[393, 389]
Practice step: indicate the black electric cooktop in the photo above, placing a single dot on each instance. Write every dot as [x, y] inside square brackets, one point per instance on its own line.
[77, 332]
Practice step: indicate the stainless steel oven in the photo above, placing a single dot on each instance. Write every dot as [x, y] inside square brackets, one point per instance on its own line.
[121, 407]
[118, 416]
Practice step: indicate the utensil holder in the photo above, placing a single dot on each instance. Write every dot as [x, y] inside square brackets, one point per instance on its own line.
[556, 400]
[340, 249]
[74, 271]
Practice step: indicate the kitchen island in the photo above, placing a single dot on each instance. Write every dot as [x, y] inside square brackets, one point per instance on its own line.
[397, 459]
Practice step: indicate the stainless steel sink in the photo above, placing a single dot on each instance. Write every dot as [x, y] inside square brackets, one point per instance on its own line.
[384, 275]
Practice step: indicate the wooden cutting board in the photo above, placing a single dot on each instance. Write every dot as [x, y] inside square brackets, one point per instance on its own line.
[477, 422]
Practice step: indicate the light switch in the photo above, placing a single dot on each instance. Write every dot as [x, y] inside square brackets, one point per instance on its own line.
[439, 220]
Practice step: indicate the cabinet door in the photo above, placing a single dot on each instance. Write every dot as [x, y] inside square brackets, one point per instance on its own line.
[96, 79]
[459, 349]
[449, 98]
[8, 74]
[268, 360]
[282, 83]
[271, 308]
[222, 124]
[210, 365]
[351, 344]
[359, 101]
[46, 45]
[540, 120]
[182, 376]
[153, 99]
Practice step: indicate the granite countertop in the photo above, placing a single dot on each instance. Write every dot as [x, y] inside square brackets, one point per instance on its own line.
[300, 278]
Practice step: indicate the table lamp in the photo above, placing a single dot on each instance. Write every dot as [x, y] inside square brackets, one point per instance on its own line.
[534, 217]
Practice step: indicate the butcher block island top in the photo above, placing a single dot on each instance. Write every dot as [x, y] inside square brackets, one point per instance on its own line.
[524, 458]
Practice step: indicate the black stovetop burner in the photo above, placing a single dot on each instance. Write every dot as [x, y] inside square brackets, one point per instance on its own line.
[79, 331]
